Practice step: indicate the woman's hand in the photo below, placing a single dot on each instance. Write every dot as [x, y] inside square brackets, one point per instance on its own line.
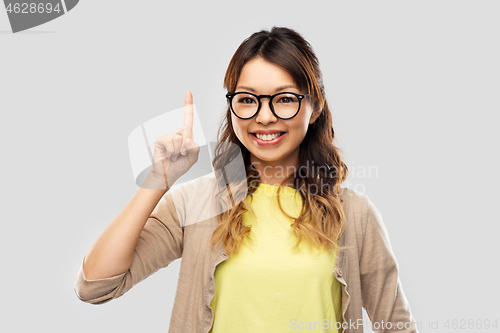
[175, 153]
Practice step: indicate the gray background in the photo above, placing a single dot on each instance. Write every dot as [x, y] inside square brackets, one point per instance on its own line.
[413, 86]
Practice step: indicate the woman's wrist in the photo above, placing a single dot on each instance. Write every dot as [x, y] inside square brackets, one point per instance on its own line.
[155, 181]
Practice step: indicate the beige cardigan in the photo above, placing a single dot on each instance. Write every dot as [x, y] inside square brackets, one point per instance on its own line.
[368, 271]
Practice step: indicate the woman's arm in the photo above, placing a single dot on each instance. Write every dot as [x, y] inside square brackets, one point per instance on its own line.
[144, 237]
[112, 253]
[381, 290]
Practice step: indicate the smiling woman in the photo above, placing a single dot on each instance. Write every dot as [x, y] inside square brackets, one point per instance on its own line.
[297, 251]
[279, 117]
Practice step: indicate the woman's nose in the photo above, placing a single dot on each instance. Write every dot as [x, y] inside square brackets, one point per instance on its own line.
[265, 115]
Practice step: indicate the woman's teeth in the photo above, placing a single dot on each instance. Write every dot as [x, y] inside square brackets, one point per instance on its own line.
[267, 137]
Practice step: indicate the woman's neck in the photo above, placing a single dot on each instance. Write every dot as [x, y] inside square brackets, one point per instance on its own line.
[274, 172]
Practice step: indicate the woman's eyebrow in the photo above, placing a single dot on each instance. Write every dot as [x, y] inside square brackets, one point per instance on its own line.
[277, 89]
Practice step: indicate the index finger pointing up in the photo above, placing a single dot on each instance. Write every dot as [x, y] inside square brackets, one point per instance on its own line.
[187, 127]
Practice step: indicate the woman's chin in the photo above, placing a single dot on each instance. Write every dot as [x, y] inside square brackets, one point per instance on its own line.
[269, 157]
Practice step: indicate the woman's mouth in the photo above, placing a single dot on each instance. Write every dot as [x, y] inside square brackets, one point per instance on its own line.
[267, 139]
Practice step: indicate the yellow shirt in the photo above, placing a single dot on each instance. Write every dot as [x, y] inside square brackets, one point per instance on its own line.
[266, 287]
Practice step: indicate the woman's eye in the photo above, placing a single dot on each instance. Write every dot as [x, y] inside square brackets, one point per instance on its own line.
[286, 100]
[245, 100]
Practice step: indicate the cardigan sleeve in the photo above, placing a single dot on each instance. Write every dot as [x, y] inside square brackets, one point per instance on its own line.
[381, 289]
[159, 243]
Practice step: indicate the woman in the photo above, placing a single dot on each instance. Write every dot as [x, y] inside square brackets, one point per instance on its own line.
[283, 248]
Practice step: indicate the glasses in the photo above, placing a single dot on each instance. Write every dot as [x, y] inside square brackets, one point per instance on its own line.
[284, 105]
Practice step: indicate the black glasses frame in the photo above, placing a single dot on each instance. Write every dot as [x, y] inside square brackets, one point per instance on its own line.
[271, 97]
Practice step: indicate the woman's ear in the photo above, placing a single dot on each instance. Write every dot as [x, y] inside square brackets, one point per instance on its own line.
[316, 111]
[315, 115]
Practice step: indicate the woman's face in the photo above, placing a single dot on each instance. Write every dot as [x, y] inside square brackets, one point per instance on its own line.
[263, 78]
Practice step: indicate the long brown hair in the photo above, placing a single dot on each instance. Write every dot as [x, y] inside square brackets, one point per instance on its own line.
[321, 220]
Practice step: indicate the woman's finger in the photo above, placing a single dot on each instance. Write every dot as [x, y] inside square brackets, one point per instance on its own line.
[177, 141]
[169, 145]
[187, 126]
